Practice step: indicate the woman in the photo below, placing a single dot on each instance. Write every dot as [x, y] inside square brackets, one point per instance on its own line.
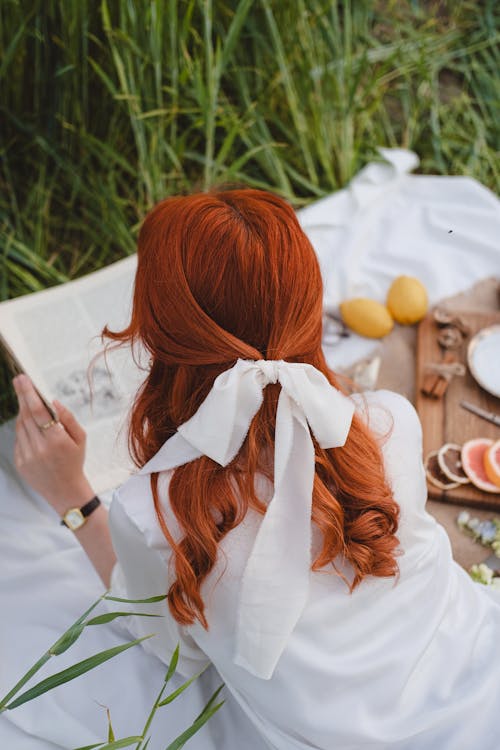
[285, 519]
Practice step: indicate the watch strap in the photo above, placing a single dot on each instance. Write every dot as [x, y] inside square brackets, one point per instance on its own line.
[86, 509]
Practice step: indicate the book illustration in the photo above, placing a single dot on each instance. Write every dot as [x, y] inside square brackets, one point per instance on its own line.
[71, 387]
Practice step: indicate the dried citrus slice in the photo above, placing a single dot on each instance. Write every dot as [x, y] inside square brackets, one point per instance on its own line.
[491, 461]
[473, 463]
[435, 475]
[450, 463]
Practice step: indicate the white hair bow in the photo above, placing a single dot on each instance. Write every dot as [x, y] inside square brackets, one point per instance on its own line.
[275, 583]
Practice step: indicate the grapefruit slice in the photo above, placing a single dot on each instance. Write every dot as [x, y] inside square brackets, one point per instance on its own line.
[473, 452]
[450, 463]
[492, 463]
[434, 474]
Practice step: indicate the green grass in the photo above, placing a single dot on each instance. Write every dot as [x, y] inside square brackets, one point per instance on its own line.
[106, 107]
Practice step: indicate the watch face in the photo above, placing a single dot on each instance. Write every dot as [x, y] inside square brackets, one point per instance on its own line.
[74, 519]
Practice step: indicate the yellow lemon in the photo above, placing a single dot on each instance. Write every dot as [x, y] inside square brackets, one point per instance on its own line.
[407, 300]
[366, 317]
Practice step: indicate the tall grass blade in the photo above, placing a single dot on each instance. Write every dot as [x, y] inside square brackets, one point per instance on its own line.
[180, 689]
[62, 643]
[149, 600]
[198, 723]
[124, 742]
[108, 617]
[66, 675]
[173, 664]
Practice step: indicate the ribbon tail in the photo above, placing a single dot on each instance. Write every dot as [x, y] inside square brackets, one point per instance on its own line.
[176, 451]
[275, 584]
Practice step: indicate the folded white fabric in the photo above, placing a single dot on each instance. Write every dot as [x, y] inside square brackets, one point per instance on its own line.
[442, 229]
[275, 583]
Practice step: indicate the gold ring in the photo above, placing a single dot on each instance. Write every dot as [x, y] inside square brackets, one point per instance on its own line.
[47, 424]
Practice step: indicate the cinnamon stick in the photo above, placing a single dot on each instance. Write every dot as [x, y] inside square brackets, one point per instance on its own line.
[434, 385]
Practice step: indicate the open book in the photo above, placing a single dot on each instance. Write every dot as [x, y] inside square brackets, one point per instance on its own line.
[52, 335]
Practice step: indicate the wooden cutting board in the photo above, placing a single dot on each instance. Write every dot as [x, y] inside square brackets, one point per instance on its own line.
[444, 420]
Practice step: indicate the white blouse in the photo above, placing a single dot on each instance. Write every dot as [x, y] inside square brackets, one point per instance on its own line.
[405, 662]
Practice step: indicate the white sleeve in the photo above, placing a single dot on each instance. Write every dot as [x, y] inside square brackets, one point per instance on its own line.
[139, 573]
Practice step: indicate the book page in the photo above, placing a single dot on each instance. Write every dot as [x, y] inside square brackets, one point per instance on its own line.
[55, 333]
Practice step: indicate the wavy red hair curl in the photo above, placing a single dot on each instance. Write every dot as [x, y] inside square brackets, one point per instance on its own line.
[221, 276]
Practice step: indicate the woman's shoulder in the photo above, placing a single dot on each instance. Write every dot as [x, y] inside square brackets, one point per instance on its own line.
[395, 423]
[388, 411]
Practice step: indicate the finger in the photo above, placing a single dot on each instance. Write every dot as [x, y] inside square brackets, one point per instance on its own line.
[34, 434]
[18, 450]
[71, 424]
[21, 400]
[30, 423]
[17, 454]
[22, 445]
[31, 399]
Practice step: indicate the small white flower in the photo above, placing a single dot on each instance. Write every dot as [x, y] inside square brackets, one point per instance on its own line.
[487, 531]
[482, 574]
[473, 524]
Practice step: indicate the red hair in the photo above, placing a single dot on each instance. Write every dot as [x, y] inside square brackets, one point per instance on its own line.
[222, 276]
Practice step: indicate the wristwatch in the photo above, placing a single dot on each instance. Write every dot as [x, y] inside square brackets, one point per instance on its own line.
[74, 518]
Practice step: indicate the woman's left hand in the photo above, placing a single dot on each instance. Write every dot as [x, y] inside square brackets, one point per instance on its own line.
[50, 460]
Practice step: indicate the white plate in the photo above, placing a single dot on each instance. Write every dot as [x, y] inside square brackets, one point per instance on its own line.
[483, 358]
